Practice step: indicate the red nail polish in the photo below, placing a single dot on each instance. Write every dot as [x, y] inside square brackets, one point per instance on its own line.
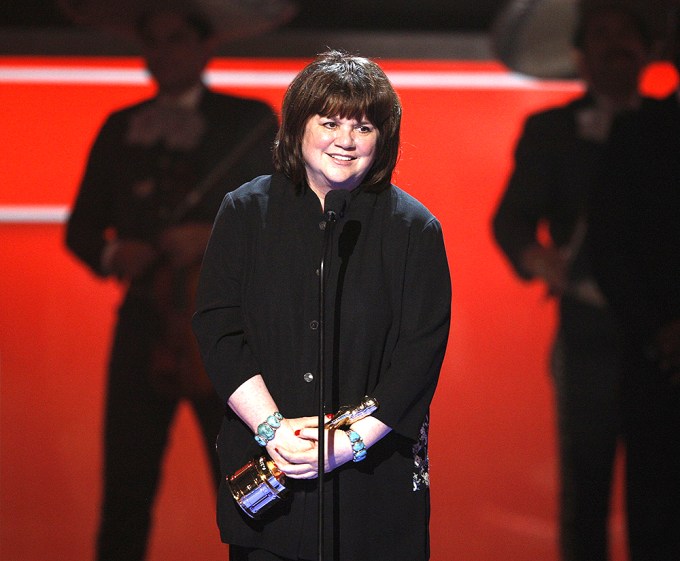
[297, 432]
[329, 415]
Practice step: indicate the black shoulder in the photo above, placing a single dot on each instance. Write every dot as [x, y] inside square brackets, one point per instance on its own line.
[239, 105]
[256, 187]
[406, 208]
[123, 113]
[557, 116]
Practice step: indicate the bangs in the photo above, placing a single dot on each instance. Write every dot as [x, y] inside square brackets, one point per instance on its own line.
[339, 105]
[354, 97]
[339, 85]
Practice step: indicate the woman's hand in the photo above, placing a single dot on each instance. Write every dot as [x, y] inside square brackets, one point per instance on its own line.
[287, 444]
[252, 402]
[295, 448]
[303, 463]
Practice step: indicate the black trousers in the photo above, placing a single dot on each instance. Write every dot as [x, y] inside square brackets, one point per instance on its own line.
[652, 432]
[137, 424]
[607, 393]
[587, 376]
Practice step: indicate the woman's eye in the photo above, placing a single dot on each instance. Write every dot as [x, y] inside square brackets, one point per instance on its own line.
[329, 124]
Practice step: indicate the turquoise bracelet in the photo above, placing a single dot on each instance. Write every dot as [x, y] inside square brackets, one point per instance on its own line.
[267, 430]
[358, 447]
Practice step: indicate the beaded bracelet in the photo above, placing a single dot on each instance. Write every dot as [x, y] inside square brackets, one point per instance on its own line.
[267, 430]
[358, 446]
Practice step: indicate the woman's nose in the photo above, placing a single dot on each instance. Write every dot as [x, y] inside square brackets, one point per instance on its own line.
[345, 137]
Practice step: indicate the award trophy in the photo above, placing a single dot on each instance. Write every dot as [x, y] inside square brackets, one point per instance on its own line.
[259, 484]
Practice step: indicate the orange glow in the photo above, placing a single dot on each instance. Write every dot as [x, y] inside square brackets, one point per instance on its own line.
[660, 79]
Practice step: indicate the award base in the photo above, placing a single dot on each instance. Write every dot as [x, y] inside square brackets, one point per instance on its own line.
[257, 485]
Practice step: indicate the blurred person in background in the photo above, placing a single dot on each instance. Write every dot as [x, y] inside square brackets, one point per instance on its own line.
[557, 161]
[154, 180]
[635, 247]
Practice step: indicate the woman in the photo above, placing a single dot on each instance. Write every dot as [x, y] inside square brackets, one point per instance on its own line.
[387, 309]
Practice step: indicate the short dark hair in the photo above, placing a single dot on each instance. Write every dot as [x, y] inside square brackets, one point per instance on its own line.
[588, 10]
[351, 87]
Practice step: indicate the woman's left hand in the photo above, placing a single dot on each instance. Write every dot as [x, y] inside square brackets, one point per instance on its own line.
[304, 464]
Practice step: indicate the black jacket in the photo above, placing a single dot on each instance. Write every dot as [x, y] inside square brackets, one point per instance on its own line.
[387, 319]
[635, 237]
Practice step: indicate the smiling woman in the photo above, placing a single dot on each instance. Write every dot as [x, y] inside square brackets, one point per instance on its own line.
[330, 93]
[260, 324]
[337, 152]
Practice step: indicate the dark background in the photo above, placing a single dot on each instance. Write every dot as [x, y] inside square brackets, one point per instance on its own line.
[408, 29]
[387, 15]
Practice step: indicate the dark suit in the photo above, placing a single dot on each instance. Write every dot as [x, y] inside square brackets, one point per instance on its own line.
[557, 162]
[131, 188]
[635, 244]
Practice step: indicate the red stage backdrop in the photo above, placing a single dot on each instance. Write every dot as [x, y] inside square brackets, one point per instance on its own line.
[492, 435]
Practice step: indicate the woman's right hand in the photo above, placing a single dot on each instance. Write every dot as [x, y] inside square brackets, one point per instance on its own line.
[299, 464]
[295, 456]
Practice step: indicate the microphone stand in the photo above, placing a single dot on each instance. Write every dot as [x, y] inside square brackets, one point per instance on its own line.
[330, 217]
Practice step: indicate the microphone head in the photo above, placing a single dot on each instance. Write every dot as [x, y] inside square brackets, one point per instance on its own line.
[336, 202]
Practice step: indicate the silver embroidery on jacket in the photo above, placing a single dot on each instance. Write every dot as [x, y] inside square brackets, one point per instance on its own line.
[421, 473]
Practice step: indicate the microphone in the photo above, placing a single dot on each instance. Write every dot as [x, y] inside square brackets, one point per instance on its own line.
[335, 204]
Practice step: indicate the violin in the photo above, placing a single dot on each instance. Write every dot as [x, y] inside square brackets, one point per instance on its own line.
[176, 366]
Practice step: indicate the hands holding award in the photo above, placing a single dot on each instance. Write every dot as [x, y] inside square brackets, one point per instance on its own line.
[261, 482]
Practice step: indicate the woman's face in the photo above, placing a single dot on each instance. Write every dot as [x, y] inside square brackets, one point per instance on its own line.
[337, 152]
